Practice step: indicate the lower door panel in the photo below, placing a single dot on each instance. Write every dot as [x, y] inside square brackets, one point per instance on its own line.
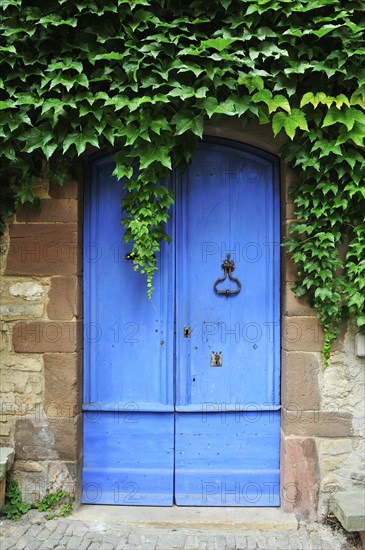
[229, 459]
[128, 458]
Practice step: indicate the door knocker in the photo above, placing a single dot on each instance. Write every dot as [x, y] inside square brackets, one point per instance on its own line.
[228, 267]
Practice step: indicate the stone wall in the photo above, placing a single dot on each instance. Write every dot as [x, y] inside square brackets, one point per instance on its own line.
[322, 409]
[41, 361]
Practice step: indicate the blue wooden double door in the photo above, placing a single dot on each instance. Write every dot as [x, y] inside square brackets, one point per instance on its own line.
[181, 392]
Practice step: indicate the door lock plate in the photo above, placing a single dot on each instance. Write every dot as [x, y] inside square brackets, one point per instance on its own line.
[216, 359]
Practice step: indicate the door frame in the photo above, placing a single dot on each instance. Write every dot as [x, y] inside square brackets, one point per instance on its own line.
[252, 142]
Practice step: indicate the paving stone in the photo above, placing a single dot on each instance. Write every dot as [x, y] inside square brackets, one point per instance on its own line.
[55, 536]
[150, 542]
[190, 543]
[134, 538]
[165, 541]
[49, 544]
[147, 546]
[271, 543]
[61, 526]
[231, 540]
[121, 541]
[113, 538]
[315, 542]
[21, 529]
[251, 542]
[33, 531]
[74, 543]
[67, 534]
[211, 544]
[261, 541]
[179, 540]
[34, 545]
[7, 543]
[43, 534]
[221, 542]
[97, 537]
[21, 543]
[70, 529]
[294, 543]
[241, 542]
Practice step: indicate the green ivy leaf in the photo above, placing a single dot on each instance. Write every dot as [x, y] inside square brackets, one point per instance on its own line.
[154, 153]
[185, 122]
[289, 122]
[348, 117]
[218, 44]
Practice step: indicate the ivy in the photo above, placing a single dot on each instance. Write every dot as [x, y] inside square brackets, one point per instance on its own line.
[14, 507]
[142, 77]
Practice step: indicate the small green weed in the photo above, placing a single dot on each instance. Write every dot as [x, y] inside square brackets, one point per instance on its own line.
[14, 507]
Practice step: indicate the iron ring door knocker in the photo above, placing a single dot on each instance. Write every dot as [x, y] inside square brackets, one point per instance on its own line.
[228, 267]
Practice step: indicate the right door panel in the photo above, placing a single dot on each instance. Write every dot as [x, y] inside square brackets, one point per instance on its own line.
[227, 426]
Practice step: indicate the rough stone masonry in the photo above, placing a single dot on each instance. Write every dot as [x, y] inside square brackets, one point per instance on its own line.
[41, 358]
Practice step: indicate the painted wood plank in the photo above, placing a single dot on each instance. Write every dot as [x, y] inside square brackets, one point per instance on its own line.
[128, 338]
[228, 203]
[227, 460]
[128, 459]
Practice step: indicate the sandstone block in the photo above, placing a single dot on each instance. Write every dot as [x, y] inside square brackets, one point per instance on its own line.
[43, 249]
[64, 299]
[316, 423]
[299, 379]
[62, 377]
[40, 439]
[69, 190]
[293, 306]
[301, 334]
[289, 211]
[51, 210]
[300, 483]
[288, 267]
[289, 178]
[51, 336]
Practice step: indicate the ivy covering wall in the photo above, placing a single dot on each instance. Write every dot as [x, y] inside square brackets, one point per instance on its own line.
[141, 78]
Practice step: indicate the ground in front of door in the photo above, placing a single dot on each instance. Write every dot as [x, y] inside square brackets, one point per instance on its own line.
[34, 532]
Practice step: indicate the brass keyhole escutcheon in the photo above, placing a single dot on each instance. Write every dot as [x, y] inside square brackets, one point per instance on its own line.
[216, 359]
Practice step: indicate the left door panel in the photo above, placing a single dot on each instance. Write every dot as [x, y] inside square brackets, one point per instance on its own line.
[128, 358]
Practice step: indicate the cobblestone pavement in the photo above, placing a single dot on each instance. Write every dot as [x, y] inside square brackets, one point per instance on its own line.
[36, 533]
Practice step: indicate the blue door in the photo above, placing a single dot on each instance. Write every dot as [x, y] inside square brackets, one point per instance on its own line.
[181, 393]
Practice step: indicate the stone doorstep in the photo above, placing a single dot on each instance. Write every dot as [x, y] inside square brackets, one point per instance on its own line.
[349, 509]
[190, 517]
[6, 462]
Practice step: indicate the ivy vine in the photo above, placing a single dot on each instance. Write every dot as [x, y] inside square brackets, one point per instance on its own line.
[141, 77]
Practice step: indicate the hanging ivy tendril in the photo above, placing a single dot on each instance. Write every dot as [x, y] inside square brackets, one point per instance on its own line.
[141, 77]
